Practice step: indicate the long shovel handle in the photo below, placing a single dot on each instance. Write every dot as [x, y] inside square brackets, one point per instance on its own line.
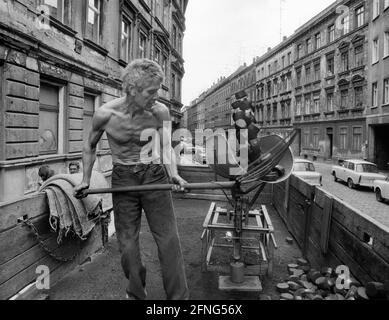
[163, 187]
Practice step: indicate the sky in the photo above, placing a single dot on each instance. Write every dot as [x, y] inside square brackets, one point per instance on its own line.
[221, 35]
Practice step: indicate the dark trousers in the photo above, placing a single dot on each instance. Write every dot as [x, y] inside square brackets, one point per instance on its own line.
[158, 207]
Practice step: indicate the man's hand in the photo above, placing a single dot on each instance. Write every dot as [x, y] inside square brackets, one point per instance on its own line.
[79, 190]
[179, 184]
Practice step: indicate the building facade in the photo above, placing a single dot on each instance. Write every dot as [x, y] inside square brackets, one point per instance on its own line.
[62, 59]
[329, 80]
[378, 84]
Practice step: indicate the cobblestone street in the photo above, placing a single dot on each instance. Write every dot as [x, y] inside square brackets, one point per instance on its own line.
[362, 199]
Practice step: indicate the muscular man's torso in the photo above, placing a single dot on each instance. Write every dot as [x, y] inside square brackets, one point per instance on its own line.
[124, 132]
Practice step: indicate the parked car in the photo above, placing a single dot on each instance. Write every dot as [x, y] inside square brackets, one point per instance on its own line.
[381, 189]
[357, 173]
[306, 170]
[200, 155]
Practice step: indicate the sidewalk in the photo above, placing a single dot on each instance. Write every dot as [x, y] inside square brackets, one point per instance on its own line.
[102, 279]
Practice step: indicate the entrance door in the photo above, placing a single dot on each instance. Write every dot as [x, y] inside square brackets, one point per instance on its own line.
[381, 147]
[330, 135]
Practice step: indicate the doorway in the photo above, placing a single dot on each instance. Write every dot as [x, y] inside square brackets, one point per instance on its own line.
[330, 139]
[381, 150]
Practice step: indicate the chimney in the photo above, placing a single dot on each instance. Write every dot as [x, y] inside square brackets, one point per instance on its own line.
[269, 49]
[284, 38]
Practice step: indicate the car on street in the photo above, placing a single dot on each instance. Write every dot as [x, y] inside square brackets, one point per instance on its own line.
[381, 189]
[357, 173]
[306, 170]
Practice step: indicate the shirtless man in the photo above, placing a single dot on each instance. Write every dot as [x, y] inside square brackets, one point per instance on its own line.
[124, 120]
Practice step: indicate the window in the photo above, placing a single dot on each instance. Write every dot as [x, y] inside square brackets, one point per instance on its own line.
[376, 8]
[89, 109]
[166, 12]
[268, 113]
[48, 119]
[307, 74]
[93, 30]
[375, 95]
[158, 10]
[307, 104]
[283, 62]
[359, 58]
[289, 82]
[358, 92]
[289, 58]
[125, 46]
[331, 33]
[386, 44]
[316, 104]
[330, 66]
[268, 89]
[142, 49]
[299, 51]
[344, 61]
[360, 16]
[164, 65]
[287, 110]
[157, 55]
[275, 87]
[344, 99]
[317, 41]
[309, 45]
[59, 9]
[343, 139]
[357, 139]
[330, 101]
[275, 113]
[316, 138]
[346, 25]
[298, 77]
[317, 72]
[386, 91]
[173, 85]
[306, 138]
[174, 38]
[375, 54]
[178, 89]
[179, 43]
[298, 106]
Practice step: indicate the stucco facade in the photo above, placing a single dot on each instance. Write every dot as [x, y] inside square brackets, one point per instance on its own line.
[59, 61]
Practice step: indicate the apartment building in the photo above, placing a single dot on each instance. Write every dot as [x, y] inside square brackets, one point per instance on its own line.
[329, 81]
[378, 84]
[59, 61]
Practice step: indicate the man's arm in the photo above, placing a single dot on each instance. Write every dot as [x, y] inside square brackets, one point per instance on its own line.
[168, 154]
[99, 121]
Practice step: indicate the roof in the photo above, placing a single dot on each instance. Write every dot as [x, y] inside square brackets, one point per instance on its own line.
[359, 161]
[302, 160]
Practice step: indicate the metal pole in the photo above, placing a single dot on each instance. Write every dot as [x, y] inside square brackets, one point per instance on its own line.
[161, 187]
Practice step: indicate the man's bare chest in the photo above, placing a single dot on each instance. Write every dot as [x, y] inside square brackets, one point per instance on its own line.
[126, 129]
